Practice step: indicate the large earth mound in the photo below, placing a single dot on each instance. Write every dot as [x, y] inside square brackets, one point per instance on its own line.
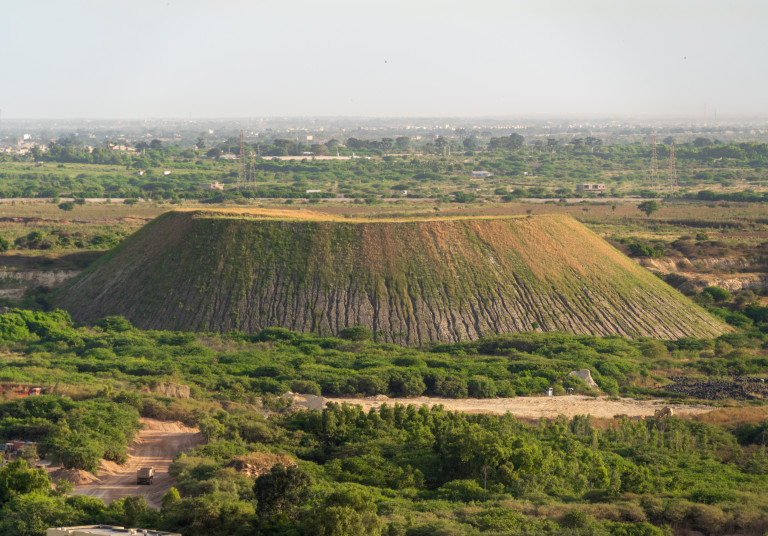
[410, 281]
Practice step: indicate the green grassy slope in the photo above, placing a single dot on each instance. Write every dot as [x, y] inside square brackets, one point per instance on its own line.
[410, 281]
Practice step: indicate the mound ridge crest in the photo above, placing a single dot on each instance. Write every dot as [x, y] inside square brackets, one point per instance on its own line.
[410, 281]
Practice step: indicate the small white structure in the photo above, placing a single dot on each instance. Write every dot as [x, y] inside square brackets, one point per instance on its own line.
[592, 187]
[549, 391]
[313, 191]
[482, 174]
[104, 530]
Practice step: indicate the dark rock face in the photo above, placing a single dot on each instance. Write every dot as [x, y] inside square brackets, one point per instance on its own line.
[409, 282]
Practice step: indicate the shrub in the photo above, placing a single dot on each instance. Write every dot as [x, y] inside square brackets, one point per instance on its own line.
[576, 519]
[462, 490]
[356, 333]
[115, 323]
[717, 294]
[405, 384]
[305, 387]
[480, 387]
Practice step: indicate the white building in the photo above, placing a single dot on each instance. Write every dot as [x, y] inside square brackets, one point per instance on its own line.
[104, 530]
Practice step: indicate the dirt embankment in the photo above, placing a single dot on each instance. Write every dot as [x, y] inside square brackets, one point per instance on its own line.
[529, 407]
[13, 283]
[155, 446]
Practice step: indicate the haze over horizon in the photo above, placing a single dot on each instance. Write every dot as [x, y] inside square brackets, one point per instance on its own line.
[339, 58]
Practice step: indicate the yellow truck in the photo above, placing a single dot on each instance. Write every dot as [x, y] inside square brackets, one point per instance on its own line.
[145, 475]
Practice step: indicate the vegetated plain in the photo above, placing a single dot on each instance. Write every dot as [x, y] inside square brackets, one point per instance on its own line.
[401, 470]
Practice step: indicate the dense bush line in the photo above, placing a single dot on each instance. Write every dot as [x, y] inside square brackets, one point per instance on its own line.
[275, 360]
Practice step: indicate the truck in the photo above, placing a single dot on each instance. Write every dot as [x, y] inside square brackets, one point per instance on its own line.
[145, 475]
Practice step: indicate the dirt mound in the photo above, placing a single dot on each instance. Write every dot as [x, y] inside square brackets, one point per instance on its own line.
[411, 282]
[77, 476]
[258, 463]
[305, 401]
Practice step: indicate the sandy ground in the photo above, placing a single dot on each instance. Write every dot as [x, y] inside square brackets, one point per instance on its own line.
[530, 407]
[155, 446]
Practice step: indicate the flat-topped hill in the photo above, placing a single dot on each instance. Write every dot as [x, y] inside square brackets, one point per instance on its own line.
[410, 281]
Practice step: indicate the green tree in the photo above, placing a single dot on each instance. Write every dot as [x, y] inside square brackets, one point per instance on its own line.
[16, 478]
[702, 142]
[403, 143]
[67, 206]
[649, 207]
[281, 489]
[347, 512]
[31, 514]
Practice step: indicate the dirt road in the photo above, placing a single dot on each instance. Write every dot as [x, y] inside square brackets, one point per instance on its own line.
[534, 407]
[155, 446]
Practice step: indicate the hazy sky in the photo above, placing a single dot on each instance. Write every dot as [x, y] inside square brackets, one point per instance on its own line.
[252, 58]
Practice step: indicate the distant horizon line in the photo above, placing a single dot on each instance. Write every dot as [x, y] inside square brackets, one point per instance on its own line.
[527, 117]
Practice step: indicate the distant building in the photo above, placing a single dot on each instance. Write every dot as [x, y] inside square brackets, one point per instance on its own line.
[482, 174]
[313, 191]
[594, 187]
[104, 530]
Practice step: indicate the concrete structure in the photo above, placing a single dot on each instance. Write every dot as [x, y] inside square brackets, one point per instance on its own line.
[104, 530]
[594, 187]
[216, 185]
[482, 174]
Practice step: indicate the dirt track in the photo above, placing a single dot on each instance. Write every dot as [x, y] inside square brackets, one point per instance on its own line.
[534, 407]
[155, 446]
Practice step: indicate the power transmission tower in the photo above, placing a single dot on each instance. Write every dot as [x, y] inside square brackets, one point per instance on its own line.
[252, 171]
[672, 167]
[653, 175]
[241, 163]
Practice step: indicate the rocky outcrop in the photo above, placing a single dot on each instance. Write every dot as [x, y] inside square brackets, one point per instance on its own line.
[585, 376]
[410, 282]
[173, 390]
[730, 273]
[258, 463]
[13, 283]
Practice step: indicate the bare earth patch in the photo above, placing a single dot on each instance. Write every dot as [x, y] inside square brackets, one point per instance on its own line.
[155, 446]
[534, 407]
